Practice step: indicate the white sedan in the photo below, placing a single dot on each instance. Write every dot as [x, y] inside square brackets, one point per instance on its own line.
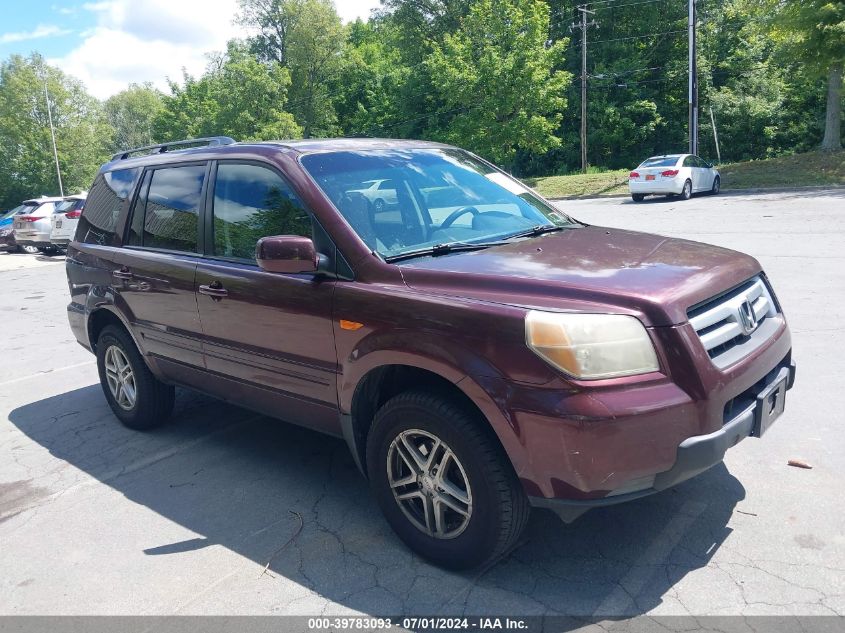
[673, 175]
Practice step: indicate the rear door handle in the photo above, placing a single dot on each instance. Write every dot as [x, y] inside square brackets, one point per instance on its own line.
[122, 273]
[215, 290]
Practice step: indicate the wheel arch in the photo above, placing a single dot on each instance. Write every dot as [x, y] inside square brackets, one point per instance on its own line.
[385, 381]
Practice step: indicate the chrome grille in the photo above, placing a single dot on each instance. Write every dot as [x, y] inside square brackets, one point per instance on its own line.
[737, 319]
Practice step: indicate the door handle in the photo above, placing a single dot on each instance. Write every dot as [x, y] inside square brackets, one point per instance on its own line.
[122, 273]
[215, 290]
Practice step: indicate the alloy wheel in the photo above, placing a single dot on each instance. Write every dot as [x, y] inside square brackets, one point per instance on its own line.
[429, 484]
[120, 378]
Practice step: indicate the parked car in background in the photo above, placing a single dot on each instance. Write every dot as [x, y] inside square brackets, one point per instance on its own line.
[32, 228]
[7, 229]
[479, 350]
[673, 175]
[64, 219]
[381, 193]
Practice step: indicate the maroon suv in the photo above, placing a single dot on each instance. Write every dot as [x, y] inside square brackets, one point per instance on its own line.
[479, 351]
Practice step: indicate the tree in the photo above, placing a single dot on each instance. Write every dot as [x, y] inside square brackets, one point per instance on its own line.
[27, 168]
[306, 37]
[815, 31]
[496, 75]
[237, 96]
[132, 113]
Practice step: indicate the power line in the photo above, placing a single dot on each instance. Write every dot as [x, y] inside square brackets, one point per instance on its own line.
[640, 37]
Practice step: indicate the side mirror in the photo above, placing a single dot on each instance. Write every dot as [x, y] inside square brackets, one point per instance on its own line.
[287, 254]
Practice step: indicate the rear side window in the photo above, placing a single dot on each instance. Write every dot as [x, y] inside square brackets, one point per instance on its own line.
[251, 202]
[108, 193]
[166, 213]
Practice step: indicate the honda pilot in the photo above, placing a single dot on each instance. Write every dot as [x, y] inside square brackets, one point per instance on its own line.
[480, 351]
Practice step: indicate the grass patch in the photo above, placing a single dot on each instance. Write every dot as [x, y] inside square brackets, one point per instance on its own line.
[799, 170]
[602, 184]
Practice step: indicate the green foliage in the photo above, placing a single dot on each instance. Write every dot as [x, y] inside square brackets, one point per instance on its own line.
[814, 30]
[27, 168]
[305, 37]
[238, 96]
[494, 76]
[498, 77]
[132, 113]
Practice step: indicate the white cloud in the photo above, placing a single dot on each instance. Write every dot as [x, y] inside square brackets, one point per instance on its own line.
[148, 41]
[136, 41]
[42, 30]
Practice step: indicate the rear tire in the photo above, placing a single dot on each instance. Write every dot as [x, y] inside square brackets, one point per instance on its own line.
[637, 197]
[138, 399]
[717, 186]
[485, 507]
[30, 250]
[686, 192]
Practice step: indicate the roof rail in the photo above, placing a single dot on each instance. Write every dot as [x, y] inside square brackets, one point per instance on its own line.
[210, 141]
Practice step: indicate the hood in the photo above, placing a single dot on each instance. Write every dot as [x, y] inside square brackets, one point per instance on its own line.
[593, 269]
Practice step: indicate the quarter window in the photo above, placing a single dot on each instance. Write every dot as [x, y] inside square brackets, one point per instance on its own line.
[166, 214]
[251, 202]
[105, 200]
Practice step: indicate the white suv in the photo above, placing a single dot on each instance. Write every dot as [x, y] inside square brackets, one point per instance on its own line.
[65, 218]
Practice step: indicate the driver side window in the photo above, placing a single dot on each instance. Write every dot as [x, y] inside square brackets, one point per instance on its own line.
[251, 202]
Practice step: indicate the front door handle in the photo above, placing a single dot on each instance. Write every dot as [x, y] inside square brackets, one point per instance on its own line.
[215, 290]
[122, 273]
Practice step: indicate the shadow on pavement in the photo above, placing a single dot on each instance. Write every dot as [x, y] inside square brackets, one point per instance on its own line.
[277, 493]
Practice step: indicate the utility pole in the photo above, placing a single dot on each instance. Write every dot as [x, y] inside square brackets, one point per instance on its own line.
[693, 82]
[584, 25]
[53, 136]
[715, 136]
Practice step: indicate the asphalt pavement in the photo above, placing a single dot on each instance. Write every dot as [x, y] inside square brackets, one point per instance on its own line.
[226, 512]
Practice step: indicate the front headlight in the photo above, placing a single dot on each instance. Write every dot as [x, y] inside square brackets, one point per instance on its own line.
[591, 346]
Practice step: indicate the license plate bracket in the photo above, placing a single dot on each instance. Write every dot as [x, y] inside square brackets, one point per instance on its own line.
[771, 403]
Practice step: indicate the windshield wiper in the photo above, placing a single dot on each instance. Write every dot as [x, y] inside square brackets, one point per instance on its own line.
[443, 249]
[540, 229]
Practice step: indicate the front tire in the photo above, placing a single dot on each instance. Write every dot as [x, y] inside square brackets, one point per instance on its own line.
[138, 399]
[686, 192]
[444, 485]
[637, 197]
[30, 250]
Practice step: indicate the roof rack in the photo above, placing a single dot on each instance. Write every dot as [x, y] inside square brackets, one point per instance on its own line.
[210, 141]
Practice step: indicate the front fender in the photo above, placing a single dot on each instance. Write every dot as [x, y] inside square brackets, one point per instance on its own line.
[471, 373]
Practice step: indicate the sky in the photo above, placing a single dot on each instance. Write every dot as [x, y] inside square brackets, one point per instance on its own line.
[109, 44]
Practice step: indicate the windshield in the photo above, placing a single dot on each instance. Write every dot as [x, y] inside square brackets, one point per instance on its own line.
[426, 198]
[660, 161]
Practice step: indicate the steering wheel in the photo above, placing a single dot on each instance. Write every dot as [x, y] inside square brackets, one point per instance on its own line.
[450, 219]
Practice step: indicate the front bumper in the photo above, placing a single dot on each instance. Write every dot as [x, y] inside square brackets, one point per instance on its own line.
[694, 455]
